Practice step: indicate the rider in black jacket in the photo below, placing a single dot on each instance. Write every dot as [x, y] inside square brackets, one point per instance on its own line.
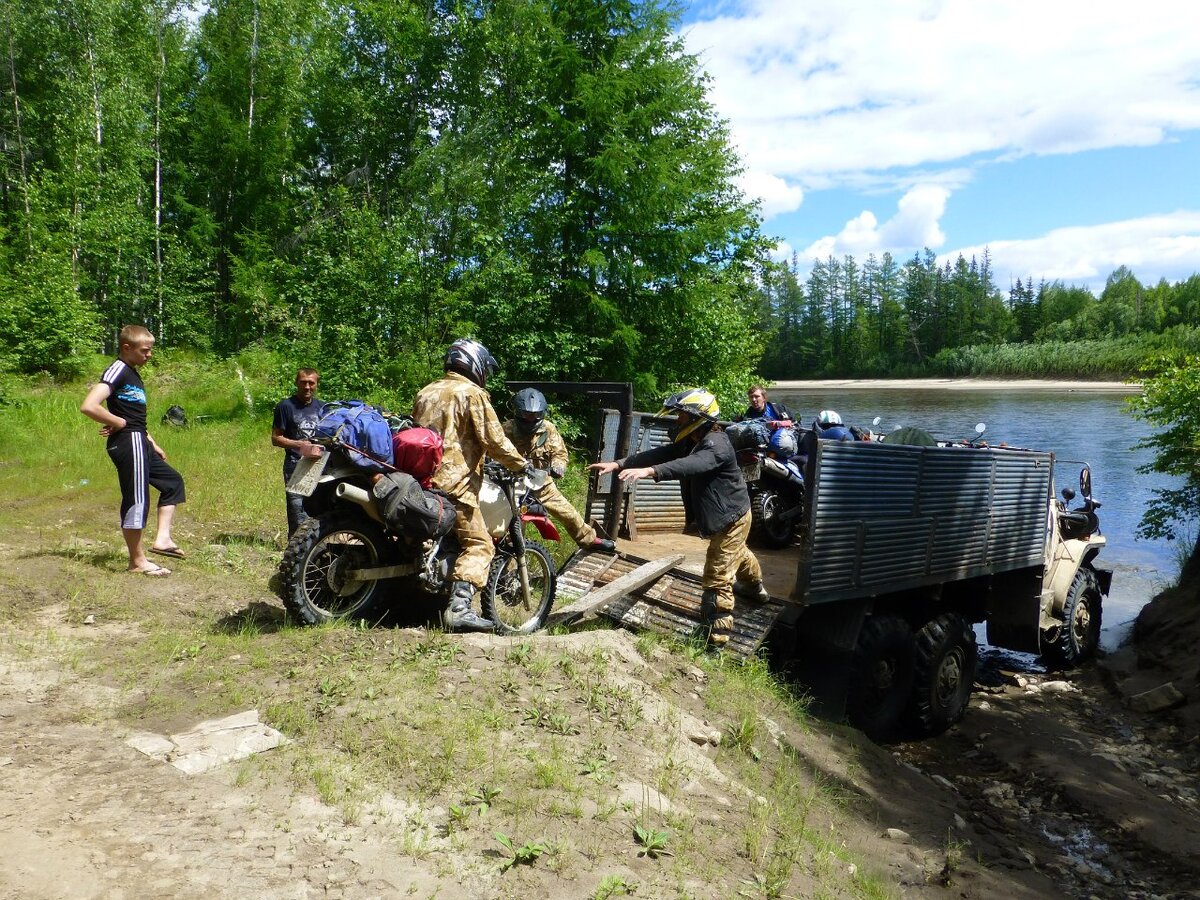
[703, 459]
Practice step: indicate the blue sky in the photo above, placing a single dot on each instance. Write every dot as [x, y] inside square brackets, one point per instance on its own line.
[1063, 135]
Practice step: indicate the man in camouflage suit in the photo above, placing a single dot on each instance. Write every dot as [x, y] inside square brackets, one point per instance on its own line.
[457, 407]
[539, 441]
[702, 458]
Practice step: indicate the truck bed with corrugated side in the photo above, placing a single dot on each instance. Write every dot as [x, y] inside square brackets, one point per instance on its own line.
[879, 519]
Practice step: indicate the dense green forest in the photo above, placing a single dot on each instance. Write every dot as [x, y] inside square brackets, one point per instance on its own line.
[883, 318]
[352, 184]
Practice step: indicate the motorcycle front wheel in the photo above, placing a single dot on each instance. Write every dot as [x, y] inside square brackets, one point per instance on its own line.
[317, 567]
[503, 600]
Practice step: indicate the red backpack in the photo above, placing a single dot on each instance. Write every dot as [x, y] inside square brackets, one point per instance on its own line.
[417, 451]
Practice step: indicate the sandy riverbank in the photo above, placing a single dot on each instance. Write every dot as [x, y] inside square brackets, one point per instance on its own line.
[962, 384]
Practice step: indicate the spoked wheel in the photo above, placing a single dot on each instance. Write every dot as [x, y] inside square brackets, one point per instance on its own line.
[945, 672]
[765, 525]
[319, 564]
[881, 676]
[503, 598]
[1077, 638]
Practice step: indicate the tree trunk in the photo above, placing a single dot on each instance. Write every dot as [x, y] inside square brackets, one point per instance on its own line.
[253, 61]
[158, 264]
[12, 76]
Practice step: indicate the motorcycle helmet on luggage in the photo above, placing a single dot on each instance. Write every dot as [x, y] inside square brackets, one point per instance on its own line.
[529, 410]
[700, 406]
[468, 357]
[827, 418]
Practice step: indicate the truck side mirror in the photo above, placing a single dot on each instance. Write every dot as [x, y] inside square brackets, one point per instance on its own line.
[1085, 481]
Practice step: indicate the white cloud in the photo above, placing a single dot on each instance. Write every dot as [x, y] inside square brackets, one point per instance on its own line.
[827, 94]
[775, 194]
[782, 252]
[915, 225]
[1153, 247]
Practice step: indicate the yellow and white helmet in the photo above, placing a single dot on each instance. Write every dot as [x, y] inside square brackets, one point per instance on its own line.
[699, 404]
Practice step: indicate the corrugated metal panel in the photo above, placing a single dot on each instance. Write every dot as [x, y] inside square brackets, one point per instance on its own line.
[602, 486]
[654, 506]
[669, 605]
[898, 517]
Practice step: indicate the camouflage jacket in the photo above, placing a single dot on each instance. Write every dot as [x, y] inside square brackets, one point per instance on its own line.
[544, 448]
[460, 411]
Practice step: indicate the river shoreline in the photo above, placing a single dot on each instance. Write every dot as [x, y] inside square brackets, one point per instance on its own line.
[962, 384]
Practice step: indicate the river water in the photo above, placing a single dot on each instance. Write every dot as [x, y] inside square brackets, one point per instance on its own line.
[1077, 425]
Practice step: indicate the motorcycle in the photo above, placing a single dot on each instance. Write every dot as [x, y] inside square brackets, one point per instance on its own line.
[335, 562]
[775, 482]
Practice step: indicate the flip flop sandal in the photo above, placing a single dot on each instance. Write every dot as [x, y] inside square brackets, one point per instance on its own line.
[156, 572]
[173, 552]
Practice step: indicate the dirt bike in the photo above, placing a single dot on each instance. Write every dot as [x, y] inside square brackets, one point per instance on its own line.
[775, 482]
[335, 562]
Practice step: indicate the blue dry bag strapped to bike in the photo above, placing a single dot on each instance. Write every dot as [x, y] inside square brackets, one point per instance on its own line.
[361, 428]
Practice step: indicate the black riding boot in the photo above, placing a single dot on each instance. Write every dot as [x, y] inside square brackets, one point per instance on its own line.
[458, 615]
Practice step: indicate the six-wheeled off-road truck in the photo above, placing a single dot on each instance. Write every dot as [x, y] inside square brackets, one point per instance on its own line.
[901, 551]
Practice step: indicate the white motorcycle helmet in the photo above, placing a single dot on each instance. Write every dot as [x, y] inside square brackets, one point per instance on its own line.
[827, 418]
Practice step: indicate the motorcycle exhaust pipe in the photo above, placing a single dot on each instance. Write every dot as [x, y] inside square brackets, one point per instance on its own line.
[778, 469]
[357, 495]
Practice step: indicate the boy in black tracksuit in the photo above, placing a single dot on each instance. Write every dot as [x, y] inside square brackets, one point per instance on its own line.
[140, 462]
[703, 459]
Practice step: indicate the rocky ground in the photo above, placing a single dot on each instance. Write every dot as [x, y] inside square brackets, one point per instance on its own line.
[1067, 777]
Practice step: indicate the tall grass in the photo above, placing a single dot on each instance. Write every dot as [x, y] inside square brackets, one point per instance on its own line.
[1106, 358]
[49, 451]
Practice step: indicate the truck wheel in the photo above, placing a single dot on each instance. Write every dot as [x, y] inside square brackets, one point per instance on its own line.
[1076, 639]
[881, 676]
[765, 527]
[314, 573]
[945, 672]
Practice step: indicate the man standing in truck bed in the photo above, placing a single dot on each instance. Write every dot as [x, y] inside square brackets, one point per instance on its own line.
[702, 458]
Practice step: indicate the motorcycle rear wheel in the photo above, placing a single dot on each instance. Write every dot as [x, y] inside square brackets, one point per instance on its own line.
[316, 563]
[502, 598]
[766, 506]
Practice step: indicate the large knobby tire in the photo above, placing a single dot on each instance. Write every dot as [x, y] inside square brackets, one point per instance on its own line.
[765, 527]
[881, 676]
[503, 600]
[320, 553]
[1076, 640]
[946, 660]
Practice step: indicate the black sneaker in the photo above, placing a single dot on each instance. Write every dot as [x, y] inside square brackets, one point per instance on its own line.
[603, 545]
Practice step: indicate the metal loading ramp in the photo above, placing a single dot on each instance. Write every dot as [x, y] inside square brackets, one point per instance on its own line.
[669, 605]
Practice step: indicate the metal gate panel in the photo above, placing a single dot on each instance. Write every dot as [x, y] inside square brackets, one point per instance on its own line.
[601, 487]
[654, 506]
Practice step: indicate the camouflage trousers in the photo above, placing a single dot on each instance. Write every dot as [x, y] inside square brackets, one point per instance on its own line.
[561, 510]
[728, 559]
[475, 559]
